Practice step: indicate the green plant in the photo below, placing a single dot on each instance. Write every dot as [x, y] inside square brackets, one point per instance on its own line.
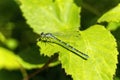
[20, 49]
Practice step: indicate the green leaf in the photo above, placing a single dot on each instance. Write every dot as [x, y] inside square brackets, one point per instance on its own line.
[98, 43]
[8, 60]
[11, 43]
[51, 16]
[101, 48]
[112, 26]
[112, 17]
[2, 37]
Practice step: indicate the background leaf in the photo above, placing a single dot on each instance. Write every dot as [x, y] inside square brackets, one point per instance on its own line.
[49, 16]
[2, 38]
[8, 60]
[112, 17]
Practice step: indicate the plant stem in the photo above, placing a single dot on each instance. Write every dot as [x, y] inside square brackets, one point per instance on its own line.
[43, 68]
[24, 73]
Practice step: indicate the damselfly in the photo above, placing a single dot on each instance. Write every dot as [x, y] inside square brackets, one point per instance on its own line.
[48, 37]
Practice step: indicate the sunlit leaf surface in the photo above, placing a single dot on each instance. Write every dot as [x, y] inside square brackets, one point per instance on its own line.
[61, 18]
